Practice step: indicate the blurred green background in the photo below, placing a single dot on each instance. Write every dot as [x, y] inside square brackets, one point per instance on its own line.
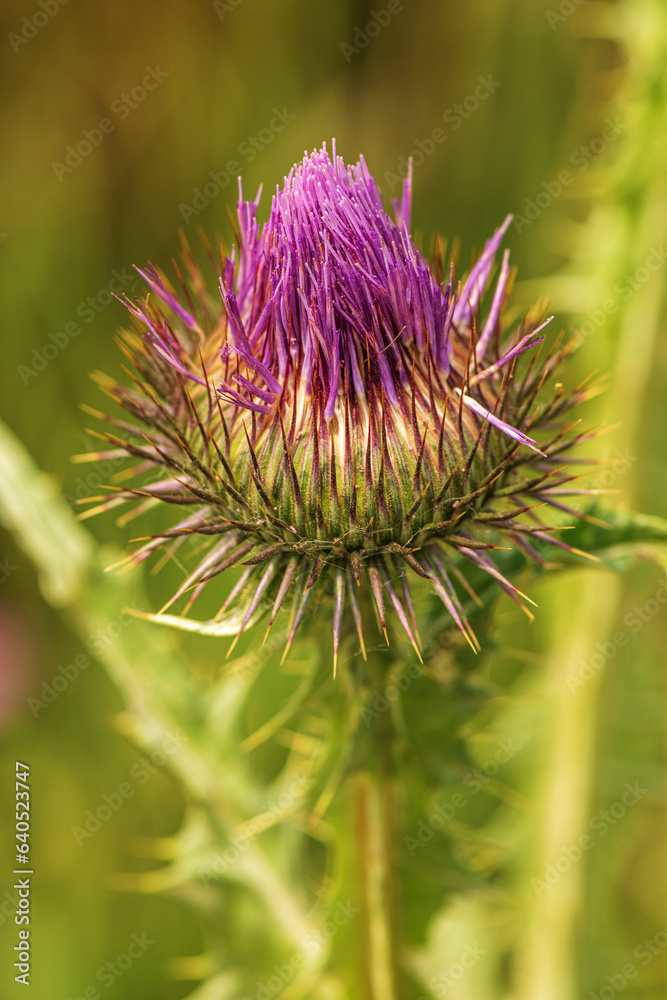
[559, 72]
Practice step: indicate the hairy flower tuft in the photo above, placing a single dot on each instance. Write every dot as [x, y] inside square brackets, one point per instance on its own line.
[339, 416]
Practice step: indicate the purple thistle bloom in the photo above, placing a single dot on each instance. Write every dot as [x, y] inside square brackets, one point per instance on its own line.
[341, 414]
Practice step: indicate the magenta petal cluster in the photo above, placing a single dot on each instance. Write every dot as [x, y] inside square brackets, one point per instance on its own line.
[337, 415]
[346, 295]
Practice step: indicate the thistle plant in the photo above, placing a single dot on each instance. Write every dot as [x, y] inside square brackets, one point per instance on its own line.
[350, 427]
[339, 417]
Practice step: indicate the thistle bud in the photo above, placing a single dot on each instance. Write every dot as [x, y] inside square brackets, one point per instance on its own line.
[340, 413]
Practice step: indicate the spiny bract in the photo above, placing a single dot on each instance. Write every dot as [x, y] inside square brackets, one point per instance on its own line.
[338, 416]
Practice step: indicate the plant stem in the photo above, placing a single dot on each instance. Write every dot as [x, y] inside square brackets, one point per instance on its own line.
[375, 837]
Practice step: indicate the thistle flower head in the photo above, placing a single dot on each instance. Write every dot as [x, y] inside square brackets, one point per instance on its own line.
[338, 416]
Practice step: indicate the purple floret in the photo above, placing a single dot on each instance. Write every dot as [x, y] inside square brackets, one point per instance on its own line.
[333, 291]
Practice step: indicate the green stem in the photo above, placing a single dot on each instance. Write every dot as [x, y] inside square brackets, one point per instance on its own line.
[375, 839]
